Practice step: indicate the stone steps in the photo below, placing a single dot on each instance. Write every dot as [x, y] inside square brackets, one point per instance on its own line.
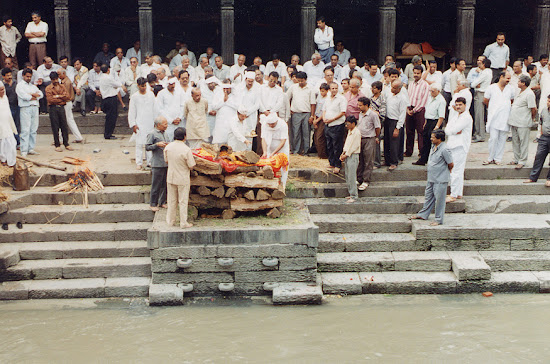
[79, 214]
[362, 223]
[79, 249]
[479, 187]
[89, 124]
[78, 268]
[433, 283]
[368, 242]
[80, 232]
[51, 178]
[75, 288]
[517, 261]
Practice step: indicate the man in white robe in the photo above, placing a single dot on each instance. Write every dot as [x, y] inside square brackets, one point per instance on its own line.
[225, 104]
[498, 99]
[8, 144]
[141, 117]
[275, 140]
[249, 98]
[237, 133]
[169, 105]
[236, 72]
[209, 93]
[459, 139]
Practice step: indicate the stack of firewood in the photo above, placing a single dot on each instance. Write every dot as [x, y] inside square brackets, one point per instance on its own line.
[248, 188]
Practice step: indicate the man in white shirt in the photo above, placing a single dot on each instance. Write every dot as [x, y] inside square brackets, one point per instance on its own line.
[69, 70]
[9, 37]
[203, 62]
[236, 72]
[352, 65]
[221, 71]
[149, 65]
[131, 74]
[416, 61]
[210, 92]
[498, 98]
[328, 79]
[515, 75]
[186, 66]
[499, 55]
[396, 111]
[342, 53]
[522, 115]
[36, 32]
[446, 86]
[480, 85]
[542, 64]
[314, 69]
[324, 39]
[463, 90]
[120, 60]
[528, 60]
[141, 115]
[271, 95]
[28, 95]
[336, 67]
[135, 51]
[295, 61]
[169, 105]
[259, 64]
[301, 96]
[210, 56]
[432, 75]
[80, 84]
[248, 96]
[373, 74]
[43, 80]
[93, 94]
[458, 74]
[334, 116]
[109, 86]
[275, 65]
[183, 51]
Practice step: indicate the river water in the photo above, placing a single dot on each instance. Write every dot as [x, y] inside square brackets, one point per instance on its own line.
[378, 328]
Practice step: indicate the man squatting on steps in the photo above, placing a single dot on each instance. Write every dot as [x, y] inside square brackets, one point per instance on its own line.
[440, 165]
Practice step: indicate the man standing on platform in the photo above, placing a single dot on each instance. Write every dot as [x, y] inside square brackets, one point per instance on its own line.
[522, 115]
[418, 90]
[334, 117]
[109, 87]
[499, 55]
[155, 144]
[28, 95]
[432, 75]
[457, 75]
[43, 72]
[36, 32]
[180, 162]
[480, 85]
[169, 104]
[302, 107]
[140, 120]
[435, 114]
[10, 86]
[396, 109]
[71, 123]
[57, 97]
[195, 111]
[342, 53]
[369, 126]
[9, 37]
[543, 147]
[324, 39]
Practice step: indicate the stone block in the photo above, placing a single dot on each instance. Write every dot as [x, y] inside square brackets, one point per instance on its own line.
[127, 287]
[14, 290]
[8, 258]
[469, 266]
[165, 295]
[297, 294]
[502, 282]
[381, 242]
[234, 251]
[372, 282]
[16, 273]
[355, 262]
[174, 278]
[107, 267]
[529, 244]
[295, 264]
[517, 260]
[544, 280]
[430, 261]
[409, 282]
[67, 288]
[362, 223]
[341, 283]
[465, 244]
[276, 276]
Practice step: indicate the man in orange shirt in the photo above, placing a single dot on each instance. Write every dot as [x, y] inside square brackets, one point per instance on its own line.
[57, 97]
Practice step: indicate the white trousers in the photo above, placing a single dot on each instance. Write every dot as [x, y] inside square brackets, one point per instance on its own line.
[140, 148]
[8, 150]
[29, 126]
[457, 174]
[497, 141]
[71, 123]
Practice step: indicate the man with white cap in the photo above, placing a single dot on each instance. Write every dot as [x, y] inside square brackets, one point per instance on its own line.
[195, 111]
[237, 133]
[140, 119]
[249, 97]
[236, 72]
[169, 105]
[208, 93]
[275, 139]
[226, 104]
[8, 144]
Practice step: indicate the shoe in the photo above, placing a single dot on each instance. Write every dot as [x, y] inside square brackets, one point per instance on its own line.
[83, 113]
[112, 137]
[375, 167]
[99, 112]
[450, 199]
[68, 147]
[19, 225]
[43, 113]
[33, 152]
[5, 226]
[363, 186]
[58, 149]
[419, 163]
[509, 139]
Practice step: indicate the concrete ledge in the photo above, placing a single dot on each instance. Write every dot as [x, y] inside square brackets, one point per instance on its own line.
[469, 266]
[408, 282]
[127, 287]
[544, 280]
[165, 295]
[362, 223]
[369, 242]
[503, 282]
[341, 283]
[431, 261]
[355, 262]
[14, 290]
[67, 288]
[517, 260]
[8, 258]
[234, 251]
[297, 294]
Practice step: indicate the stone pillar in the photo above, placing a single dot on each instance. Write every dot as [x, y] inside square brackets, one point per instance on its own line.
[542, 29]
[62, 34]
[309, 15]
[145, 27]
[465, 16]
[228, 30]
[386, 29]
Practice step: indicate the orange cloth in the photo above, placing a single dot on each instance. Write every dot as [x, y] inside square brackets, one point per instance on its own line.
[276, 162]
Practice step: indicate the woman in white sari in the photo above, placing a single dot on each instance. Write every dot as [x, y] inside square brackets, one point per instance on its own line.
[8, 144]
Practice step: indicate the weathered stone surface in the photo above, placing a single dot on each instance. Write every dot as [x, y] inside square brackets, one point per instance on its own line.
[165, 295]
[127, 287]
[14, 290]
[362, 223]
[8, 257]
[523, 204]
[381, 242]
[107, 267]
[465, 244]
[276, 276]
[174, 278]
[431, 261]
[529, 244]
[517, 260]
[234, 251]
[469, 266]
[355, 262]
[82, 249]
[297, 263]
[502, 282]
[241, 289]
[544, 280]
[341, 283]
[67, 288]
[297, 294]
[408, 282]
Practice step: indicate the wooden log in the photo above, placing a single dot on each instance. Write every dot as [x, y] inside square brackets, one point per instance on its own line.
[274, 213]
[279, 193]
[204, 191]
[218, 192]
[193, 173]
[267, 172]
[262, 195]
[208, 202]
[228, 214]
[231, 192]
[249, 195]
[205, 181]
[246, 169]
[192, 213]
[40, 164]
[241, 204]
[244, 181]
[247, 156]
[205, 166]
[251, 174]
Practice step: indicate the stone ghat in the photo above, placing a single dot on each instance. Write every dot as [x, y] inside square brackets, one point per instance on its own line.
[255, 259]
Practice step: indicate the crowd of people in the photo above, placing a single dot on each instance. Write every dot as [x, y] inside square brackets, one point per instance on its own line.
[295, 108]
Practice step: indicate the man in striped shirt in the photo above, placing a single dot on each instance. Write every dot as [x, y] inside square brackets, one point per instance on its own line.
[419, 91]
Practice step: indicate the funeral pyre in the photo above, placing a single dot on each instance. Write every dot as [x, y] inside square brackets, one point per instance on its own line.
[82, 181]
[228, 182]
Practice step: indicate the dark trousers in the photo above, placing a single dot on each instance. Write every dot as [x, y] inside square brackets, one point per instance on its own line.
[43, 102]
[90, 99]
[427, 143]
[319, 140]
[496, 74]
[158, 186]
[15, 115]
[110, 108]
[58, 120]
[393, 147]
[335, 143]
[543, 148]
[366, 159]
[414, 122]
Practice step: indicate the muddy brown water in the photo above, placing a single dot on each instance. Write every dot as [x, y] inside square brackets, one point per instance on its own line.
[381, 328]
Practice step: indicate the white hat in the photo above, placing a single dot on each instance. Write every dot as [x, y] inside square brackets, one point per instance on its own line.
[250, 74]
[242, 110]
[172, 81]
[269, 119]
[227, 85]
[212, 79]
